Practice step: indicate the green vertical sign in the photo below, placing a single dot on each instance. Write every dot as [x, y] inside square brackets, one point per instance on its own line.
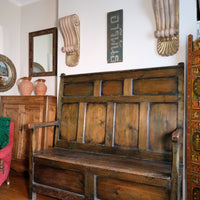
[115, 36]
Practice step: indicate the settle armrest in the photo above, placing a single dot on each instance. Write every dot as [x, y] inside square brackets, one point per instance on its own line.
[32, 148]
[42, 124]
[176, 164]
[177, 135]
[33, 127]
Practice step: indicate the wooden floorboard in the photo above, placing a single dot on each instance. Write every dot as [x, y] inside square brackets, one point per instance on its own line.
[18, 188]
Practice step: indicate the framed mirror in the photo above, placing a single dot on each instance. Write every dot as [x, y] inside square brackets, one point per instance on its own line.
[7, 73]
[43, 52]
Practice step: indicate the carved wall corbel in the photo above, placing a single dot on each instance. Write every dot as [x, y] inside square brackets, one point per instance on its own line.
[70, 29]
[167, 26]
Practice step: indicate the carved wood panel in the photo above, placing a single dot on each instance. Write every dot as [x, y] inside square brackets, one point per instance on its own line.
[163, 121]
[126, 125]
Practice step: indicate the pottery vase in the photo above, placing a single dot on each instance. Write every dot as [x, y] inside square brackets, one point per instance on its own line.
[40, 87]
[25, 86]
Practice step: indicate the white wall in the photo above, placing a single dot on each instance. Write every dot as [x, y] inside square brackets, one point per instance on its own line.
[139, 41]
[10, 37]
[138, 32]
[15, 24]
[34, 17]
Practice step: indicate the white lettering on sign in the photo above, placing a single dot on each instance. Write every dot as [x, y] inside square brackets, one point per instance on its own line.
[115, 37]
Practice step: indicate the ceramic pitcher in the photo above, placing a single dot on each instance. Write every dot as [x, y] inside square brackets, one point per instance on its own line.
[25, 86]
[40, 87]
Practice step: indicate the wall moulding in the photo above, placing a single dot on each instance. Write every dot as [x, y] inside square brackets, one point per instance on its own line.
[70, 29]
[167, 26]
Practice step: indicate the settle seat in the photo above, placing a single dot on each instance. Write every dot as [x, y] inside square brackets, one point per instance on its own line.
[5, 157]
[118, 136]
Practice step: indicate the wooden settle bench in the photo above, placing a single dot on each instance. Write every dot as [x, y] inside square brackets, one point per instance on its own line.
[118, 135]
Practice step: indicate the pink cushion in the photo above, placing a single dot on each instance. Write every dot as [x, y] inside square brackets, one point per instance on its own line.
[6, 154]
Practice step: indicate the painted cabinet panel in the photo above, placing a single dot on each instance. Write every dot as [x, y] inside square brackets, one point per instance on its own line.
[193, 120]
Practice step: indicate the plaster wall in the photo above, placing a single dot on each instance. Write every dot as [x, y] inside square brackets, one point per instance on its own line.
[139, 43]
[34, 17]
[10, 37]
[15, 24]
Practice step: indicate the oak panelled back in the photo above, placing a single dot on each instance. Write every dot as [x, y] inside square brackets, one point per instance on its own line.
[131, 113]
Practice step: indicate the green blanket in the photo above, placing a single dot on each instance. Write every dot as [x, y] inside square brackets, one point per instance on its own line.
[4, 131]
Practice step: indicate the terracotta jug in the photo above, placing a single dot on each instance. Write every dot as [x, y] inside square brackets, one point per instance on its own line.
[40, 87]
[25, 86]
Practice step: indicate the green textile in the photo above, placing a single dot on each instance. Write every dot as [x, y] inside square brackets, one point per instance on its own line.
[4, 131]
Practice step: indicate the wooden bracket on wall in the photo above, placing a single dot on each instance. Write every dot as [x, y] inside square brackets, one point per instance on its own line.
[70, 29]
[167, 26]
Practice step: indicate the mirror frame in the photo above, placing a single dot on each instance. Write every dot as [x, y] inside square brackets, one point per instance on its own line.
[31, 47]
[11, 83]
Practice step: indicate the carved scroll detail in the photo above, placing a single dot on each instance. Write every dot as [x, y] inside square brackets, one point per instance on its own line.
[167, 26]
[70, 28]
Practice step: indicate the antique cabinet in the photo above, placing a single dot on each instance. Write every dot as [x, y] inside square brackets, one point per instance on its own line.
[193, 120]
[23, 110]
